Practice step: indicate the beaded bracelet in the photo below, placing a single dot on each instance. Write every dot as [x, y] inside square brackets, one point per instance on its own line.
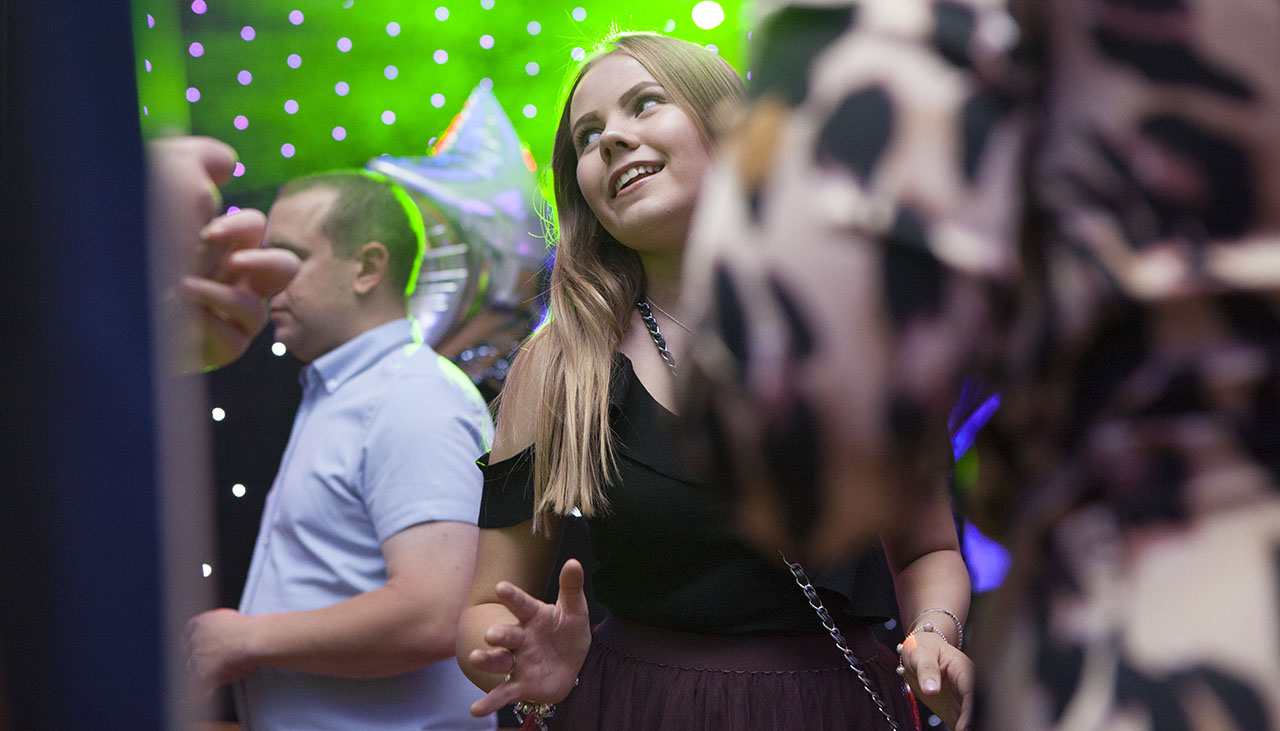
[954, 618]
[925, 627]
[532, 716]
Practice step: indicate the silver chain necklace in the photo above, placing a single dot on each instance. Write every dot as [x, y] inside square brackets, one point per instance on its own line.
[668, 314]
[797, 571]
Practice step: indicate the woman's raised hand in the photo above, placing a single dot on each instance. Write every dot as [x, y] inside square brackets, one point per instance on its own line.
[541, 654]
[942, 678]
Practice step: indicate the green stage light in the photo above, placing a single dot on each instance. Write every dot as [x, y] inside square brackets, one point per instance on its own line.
[276, 78]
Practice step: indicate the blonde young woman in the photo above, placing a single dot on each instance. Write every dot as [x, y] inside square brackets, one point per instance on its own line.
[703, 631]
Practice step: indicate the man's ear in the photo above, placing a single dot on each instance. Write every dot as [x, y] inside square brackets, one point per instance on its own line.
[373, 260]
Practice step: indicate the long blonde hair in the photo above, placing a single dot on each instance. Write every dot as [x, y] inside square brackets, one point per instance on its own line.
[595, 283]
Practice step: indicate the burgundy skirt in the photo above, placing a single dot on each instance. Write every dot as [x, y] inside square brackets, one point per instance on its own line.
[639, 677]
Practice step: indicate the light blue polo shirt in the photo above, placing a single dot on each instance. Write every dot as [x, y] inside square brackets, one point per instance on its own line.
[386, 437]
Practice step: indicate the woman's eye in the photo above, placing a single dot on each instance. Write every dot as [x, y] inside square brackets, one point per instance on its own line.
[588, 138]
[647, 103]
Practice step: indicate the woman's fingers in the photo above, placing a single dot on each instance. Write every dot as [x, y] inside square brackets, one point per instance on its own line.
[503, 695]
[571, 597]
[498, 661]
[519, 602]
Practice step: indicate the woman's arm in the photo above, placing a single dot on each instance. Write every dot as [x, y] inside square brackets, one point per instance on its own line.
[515, 555]
[930, 575]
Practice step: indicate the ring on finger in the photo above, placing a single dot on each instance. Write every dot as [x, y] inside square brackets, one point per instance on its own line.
[507, 679]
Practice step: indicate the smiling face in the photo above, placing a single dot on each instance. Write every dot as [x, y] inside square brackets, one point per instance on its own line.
[641, 158]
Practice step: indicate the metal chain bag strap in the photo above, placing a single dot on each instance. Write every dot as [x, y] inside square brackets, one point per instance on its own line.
[797, 571]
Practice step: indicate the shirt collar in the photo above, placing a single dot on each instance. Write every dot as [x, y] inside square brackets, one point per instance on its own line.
[353, 357]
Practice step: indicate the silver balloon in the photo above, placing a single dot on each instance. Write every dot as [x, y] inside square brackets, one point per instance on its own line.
[477, 294]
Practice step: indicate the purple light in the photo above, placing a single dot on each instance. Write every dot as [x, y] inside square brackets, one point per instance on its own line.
[232, 209]
[294, 60]
[151, 22]
[198, 7]
[238, 171]
[248, 33]
[241, 121]
[344, 44]
[196, 49]
[244, 77]
[291, 107]
[193, 94]
[145, 112]
[339, 133]
[146, 63]
[287, 149]
[295, 17]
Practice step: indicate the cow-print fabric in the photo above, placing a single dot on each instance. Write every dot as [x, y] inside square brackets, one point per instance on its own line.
[1075, 203]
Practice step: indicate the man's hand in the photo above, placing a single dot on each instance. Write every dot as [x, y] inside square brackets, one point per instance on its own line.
[216, 643]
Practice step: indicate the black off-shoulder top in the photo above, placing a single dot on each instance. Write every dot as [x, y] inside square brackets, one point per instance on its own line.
[666, 550]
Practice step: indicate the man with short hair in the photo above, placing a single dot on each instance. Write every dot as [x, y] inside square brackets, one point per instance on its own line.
[368, 538]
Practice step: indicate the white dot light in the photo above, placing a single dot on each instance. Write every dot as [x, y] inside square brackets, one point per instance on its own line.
[577, 54]
[579, 14]
[291, 106]
[295, 17]
[437, 100]
[218, 413]
[486, 41]
[344, 44]
[530, 111]
[278, 349]
[244, 77]
[707, 14]
[342, 88]
[294, 60]
[206, 570]
[486, 83]
[198, 7]
[238, 490]
[531, 68]
[442, 13]
[193, 94]
[391, 72]
[248, 33]
[388, 117]
[151, 21]
[241, 121]
[196, 49]
[393, 29]
[713, 48]
[238, 171]
[534, 27]
[440, 56]
[287, 149]
[669, 26]
[145, 111]
[339, 133]
[486, 4]
[146, 63]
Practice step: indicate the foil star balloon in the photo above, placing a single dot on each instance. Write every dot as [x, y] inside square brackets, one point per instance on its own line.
[477, 292]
